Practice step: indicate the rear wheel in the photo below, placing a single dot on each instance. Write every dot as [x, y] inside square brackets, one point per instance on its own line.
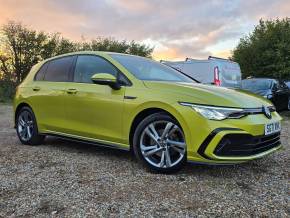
[159, 143]
[26, 127]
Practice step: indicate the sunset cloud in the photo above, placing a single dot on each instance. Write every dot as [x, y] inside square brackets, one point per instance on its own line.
[176, 28]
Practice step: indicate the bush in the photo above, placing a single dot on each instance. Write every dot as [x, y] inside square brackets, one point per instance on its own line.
[266, 51]
[7, 90]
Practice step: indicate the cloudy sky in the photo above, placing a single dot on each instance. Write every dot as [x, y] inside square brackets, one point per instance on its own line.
[176, 28]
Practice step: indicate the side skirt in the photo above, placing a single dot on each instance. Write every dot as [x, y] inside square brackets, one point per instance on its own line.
[191, 162]
[85, 140]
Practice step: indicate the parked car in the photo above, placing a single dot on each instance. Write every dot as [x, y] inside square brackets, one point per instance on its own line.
[272, 89]
[135, 103]
[216, 71]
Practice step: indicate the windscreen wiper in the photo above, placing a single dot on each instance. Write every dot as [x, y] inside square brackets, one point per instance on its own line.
[183, 73]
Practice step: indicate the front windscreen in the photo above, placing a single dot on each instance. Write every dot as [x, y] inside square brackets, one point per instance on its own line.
[146, 69]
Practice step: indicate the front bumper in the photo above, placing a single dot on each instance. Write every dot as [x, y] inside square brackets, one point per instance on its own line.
[230, 140]
[242, 145]
[236, 145]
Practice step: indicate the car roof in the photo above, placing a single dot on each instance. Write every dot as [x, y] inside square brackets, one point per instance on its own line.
[85, 52]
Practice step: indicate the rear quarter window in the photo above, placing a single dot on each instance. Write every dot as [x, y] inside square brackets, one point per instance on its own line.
[41, 72]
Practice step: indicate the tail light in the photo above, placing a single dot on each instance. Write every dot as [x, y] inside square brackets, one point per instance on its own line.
[217, 81]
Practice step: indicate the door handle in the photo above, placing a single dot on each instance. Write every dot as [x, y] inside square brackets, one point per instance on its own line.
[36, 88]
[71, 91]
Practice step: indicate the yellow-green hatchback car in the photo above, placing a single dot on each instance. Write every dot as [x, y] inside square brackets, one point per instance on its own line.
[134, 103]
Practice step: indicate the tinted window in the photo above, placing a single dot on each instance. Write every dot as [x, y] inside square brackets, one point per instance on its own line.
[275, 85]
[40, 74]
[88, 65]
[123, 80]
[256, 84]
[146, 69]
[231, 75]
[58, 69]
[283, 85]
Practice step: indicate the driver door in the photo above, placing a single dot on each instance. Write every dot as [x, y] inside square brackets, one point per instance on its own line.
[94, 111]
[280, 96]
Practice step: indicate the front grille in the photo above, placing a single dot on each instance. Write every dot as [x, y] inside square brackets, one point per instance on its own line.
[241, 145]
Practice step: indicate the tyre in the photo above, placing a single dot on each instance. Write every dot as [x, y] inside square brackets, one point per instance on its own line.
[26, 127]
[159, 143]
[288, 107]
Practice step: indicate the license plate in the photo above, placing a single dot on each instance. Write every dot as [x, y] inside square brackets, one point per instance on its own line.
[272, 128]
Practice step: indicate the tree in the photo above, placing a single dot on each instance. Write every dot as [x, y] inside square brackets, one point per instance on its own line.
[21, 48]
[113, 45]
[24, 47]
[57, 45]
[266, 51]
[21, 45]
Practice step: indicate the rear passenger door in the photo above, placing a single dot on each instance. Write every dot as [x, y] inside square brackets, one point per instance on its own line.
[49, 94]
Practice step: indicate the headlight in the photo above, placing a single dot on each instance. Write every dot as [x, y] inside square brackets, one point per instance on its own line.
[216, 113]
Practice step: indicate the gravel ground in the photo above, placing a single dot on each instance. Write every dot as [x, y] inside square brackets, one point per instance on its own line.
[67, 179]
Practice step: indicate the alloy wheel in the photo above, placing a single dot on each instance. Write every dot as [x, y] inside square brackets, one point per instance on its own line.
[25, 125]
[162, 144]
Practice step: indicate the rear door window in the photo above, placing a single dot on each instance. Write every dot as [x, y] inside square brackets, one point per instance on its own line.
[58, 69]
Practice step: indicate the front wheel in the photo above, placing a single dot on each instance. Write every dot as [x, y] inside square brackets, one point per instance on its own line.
[26, 127]
[159, 143]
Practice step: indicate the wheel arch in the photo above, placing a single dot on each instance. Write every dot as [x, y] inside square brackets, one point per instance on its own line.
[148, 111]
[17, 109]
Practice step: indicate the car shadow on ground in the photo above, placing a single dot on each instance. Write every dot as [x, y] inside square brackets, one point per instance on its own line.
[86, 148]
[190, 169]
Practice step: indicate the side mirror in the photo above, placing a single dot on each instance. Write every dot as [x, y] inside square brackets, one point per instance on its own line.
[106, 79]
